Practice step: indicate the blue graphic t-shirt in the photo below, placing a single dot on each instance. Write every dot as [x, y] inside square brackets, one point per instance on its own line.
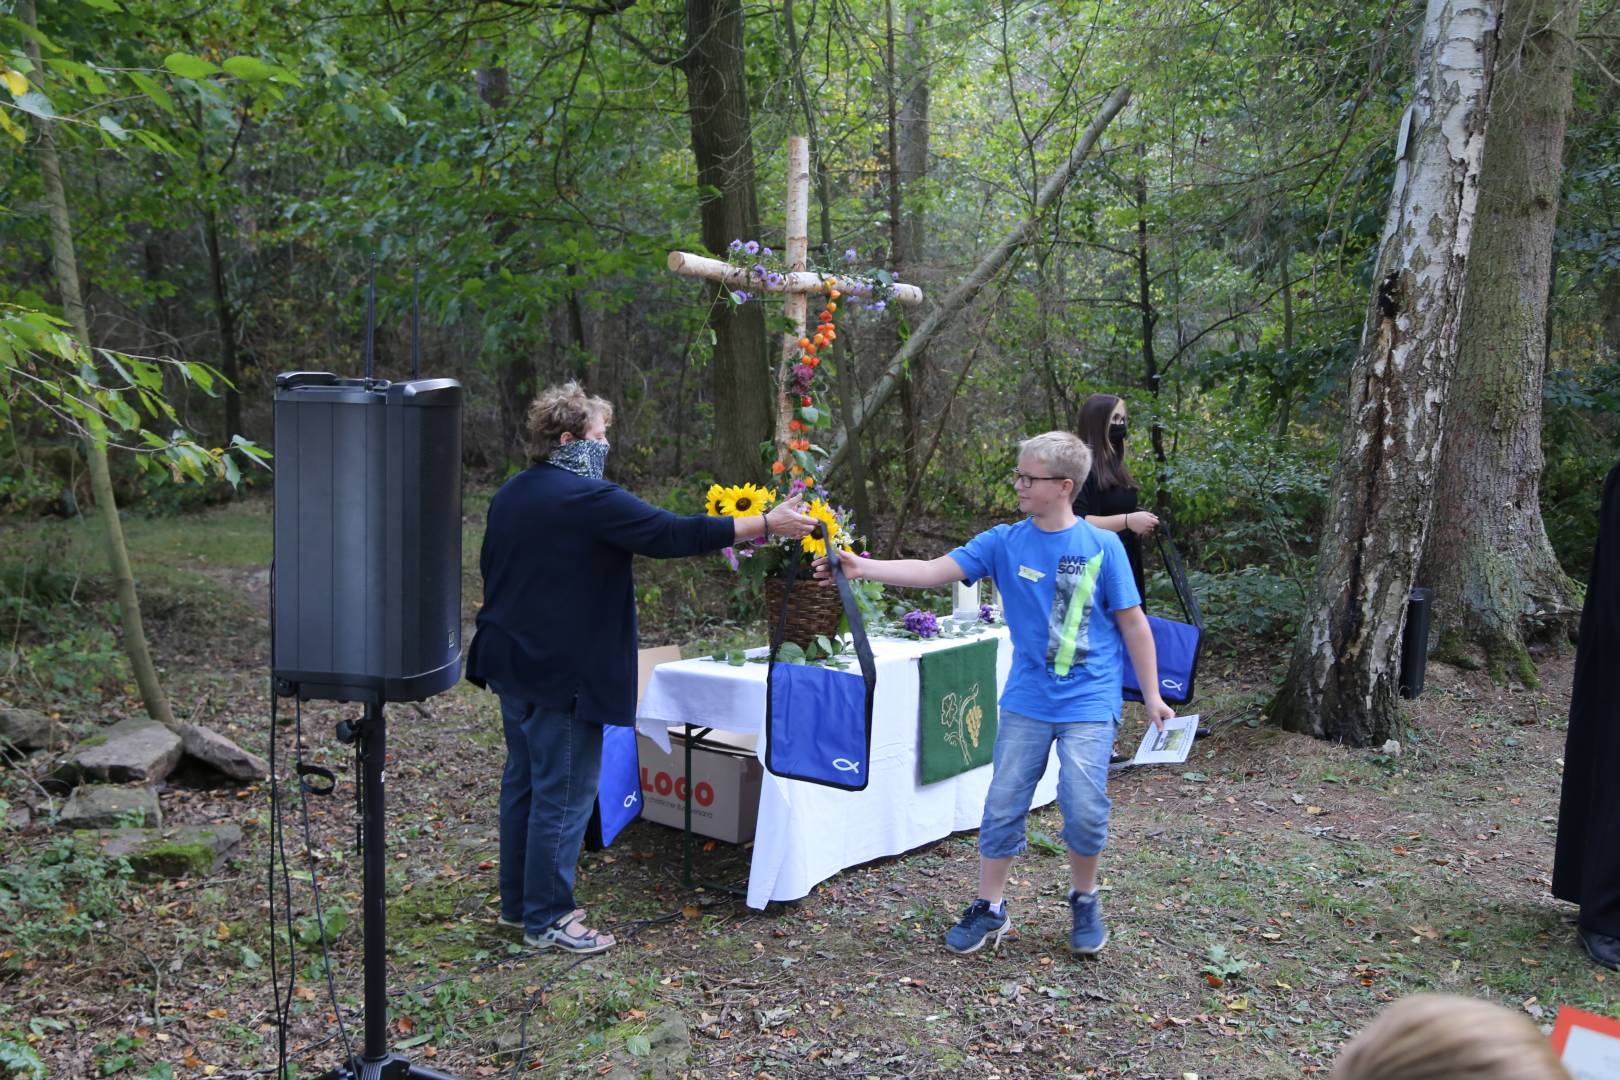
[1060, 591]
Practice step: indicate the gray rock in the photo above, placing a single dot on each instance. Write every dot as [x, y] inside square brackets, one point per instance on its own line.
[19, 818]
[671, 1047]
[102, 807]
[135, 749]
[219, 753]
[190, 851]
[1392, 747]
[25, 729]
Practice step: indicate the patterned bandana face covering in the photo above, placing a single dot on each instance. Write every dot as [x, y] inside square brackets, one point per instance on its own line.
[583, 456]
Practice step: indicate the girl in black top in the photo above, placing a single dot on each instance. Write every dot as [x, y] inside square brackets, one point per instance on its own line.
[1108, 497]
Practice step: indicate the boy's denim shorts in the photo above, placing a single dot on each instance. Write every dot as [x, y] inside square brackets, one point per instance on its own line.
[1023, 745]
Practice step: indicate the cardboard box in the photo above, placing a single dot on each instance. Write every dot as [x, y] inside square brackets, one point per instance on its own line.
[725, 783]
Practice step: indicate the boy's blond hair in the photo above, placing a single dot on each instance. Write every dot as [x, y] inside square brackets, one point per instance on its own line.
[559, 409]
[1063, 453]
[1438, 1036]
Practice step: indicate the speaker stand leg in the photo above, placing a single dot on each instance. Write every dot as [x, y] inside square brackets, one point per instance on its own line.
[376, 1062]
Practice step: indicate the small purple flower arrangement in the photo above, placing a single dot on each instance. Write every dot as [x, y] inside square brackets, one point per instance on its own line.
[922, 623]
[987, 614]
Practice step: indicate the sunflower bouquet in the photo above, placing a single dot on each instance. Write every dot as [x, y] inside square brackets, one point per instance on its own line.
[765, 556]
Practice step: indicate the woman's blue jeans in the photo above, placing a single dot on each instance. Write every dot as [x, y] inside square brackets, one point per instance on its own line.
[548, 787]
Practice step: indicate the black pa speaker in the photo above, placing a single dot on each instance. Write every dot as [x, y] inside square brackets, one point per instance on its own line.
[366, 589]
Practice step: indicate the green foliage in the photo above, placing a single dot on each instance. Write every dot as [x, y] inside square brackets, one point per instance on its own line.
[67, 652]
[42, 364]
[330, 926]
[56, 893]
[17, 1059]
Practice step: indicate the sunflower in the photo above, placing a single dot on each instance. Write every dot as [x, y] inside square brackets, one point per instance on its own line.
[814, 544]
[741, 500]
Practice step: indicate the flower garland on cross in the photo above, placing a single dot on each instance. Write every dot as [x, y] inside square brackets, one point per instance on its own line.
[752, 271]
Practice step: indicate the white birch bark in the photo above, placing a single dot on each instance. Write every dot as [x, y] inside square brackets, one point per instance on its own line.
[1342, 681]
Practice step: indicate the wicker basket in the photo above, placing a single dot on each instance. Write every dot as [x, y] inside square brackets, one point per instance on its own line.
[813, 612]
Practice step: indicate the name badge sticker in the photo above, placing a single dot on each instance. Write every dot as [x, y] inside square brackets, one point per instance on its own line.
[1030, 574]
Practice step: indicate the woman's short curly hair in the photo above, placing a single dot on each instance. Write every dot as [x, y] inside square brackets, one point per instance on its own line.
[562, 408]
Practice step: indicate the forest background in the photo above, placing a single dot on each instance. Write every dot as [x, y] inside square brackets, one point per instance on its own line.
[227, 175]
[1210, 261]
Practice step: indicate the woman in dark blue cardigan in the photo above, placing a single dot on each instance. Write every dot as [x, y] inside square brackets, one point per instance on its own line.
[556, 641]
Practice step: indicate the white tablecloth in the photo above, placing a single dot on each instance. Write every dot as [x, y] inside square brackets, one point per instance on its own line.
[807, 832]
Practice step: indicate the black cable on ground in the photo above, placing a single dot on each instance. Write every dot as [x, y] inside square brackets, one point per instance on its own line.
[314, 883]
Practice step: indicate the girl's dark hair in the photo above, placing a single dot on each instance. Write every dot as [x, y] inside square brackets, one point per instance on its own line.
[1106, 465]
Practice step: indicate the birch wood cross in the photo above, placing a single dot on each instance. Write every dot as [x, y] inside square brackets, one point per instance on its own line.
[796, 285]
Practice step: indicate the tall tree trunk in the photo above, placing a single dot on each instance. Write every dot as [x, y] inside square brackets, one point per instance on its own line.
[66, 265]
[722, 143]
[908, 166]
[844, 367]
[1609, 307]
[1342, 681]
[1285, 407]
[1497, 582]
[225, 318]
[1151, 376]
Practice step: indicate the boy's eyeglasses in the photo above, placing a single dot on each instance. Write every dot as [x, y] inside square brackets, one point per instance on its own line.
[1025, 480]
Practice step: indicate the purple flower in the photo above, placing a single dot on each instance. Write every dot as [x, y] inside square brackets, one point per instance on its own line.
[849, 255]
[741, 297]
[752, 247]
[894, 291]
[987, 613]
[759, 268]
[765, 251]
[731, 556]
[866, 554]
[736, 245]
[804, 373]
[773, 279]
[921, 623]
[894, 277]
[876, 305]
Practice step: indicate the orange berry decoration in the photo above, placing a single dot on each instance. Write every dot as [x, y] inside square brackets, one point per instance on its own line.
[804, 343]
[778, 468]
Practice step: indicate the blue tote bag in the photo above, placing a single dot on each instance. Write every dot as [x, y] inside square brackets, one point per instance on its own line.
[818, 721]
[1177, 643]
[618, 789]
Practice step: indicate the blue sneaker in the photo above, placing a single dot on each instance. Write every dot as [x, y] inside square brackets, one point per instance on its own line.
[978, 923]
[1089, 934]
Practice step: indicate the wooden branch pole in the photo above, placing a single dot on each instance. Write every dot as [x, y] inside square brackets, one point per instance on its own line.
[741, 277]
[796, 284]
[795, 304]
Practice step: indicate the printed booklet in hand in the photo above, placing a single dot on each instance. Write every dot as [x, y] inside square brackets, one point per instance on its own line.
[1170, 745]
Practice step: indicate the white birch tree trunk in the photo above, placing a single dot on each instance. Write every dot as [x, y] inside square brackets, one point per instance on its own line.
[1497, 583]
[1342, 680]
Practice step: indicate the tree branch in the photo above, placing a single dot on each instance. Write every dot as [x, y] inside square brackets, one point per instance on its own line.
[988, 267]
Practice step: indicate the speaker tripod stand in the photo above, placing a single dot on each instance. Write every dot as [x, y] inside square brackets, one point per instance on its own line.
[376, 1062]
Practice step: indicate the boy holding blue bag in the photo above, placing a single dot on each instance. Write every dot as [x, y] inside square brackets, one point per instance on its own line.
[1073, 612]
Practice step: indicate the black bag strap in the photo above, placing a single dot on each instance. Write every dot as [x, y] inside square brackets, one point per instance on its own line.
[1178, 576]
[846, 596]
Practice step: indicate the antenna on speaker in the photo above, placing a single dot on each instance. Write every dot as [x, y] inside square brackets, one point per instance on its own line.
[371, 313]
[416, 321]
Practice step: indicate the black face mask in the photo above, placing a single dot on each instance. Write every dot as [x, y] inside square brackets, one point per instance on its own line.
[1116, 435]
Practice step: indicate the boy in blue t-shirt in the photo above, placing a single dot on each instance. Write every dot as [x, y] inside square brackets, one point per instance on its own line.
[1070, 604]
